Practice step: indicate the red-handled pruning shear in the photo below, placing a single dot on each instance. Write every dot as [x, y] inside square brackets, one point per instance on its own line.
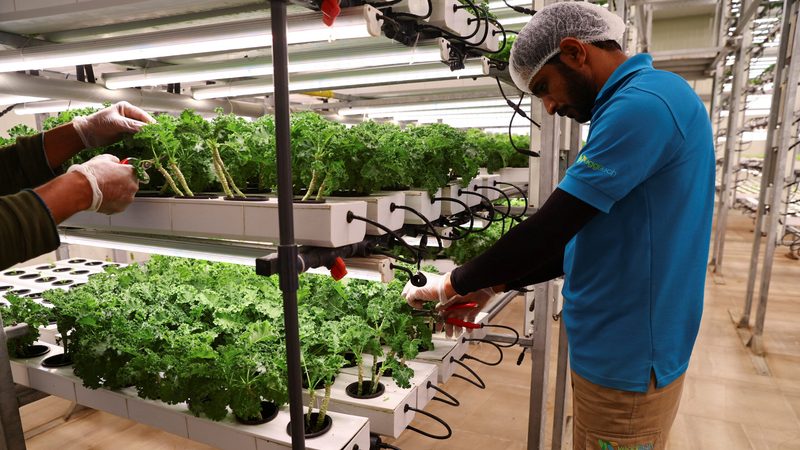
[140, 167]
[451, 320]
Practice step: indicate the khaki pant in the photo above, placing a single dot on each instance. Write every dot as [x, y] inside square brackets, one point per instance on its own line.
[610, 419]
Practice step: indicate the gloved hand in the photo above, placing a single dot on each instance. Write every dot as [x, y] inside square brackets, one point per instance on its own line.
[113, 184]
[433, 291]
[480, 297]
[107, 125]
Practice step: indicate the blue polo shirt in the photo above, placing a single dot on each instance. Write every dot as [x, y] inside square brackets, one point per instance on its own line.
[635, 274]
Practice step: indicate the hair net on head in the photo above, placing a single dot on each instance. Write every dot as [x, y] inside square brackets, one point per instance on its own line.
[540, 38]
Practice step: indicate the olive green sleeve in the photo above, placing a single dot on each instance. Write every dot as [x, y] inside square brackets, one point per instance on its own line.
[27, 229]
[24, 165]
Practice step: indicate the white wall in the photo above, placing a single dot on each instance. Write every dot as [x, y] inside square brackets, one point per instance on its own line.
[680, 33]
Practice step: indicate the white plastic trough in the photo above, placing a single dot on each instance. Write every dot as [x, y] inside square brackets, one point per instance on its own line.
[317, 224]
[423, 373]
[379, 210]
[488, 181]
[442, 355]
[422, 203]
[452, 191]
[348, 432]
[515, 175]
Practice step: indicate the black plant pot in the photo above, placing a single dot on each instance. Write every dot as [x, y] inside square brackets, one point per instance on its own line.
[348, 194]
[327, 423]
[61, 360]
[269, 411]
[198, 197]
[248, 198]
[33, 351]
[313, 201]
[366, 387]
[153, 194]
[386, 373]
[350, 357]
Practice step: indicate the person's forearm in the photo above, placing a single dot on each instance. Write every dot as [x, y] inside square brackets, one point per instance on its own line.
[60, 144]
[66, 195]
[525, 246]
[552, 268]
[26, 228]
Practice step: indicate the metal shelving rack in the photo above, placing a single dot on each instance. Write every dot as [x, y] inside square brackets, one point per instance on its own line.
[287, 249]
[773, 180]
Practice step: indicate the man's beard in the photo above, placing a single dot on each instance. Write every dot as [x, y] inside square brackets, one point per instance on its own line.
[581, 94]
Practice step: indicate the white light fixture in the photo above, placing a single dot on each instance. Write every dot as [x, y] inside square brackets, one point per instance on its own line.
[411, 115]
[6, 100]
[355, 78]
[514, 20]
[477, 122]
[356, 22]
[501, 5]
[321, 61]
[52, 106]
[456, 104]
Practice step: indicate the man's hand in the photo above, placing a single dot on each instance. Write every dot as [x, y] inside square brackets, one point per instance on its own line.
[113, 184]
[436, 289]
[480, 297]
[108, 125]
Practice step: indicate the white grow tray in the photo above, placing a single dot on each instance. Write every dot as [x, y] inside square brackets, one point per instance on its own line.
[415, 7]
[347, 433]
[488, 181]
[386, 413]
[453, 20]
[443, 353]
[451, 191]
[423, 373]
[490, 38]
[421, 201]
[515, 175]
[379, 210]
[317, 224]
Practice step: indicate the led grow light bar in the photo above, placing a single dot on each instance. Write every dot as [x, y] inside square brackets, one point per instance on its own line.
[356, 22]
[371, 110]
[355, 78]
[6, 100]
[52, 106]
[409, 115]
[324, 61]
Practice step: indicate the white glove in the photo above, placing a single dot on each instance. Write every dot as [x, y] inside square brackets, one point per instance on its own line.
[113, 184]
[107, 125]
[480, 297]
[433, 291]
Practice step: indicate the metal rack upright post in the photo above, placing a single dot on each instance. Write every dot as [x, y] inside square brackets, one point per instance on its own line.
[287, 249]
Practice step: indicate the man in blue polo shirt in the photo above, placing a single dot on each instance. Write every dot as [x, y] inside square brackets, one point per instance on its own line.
[628, 226]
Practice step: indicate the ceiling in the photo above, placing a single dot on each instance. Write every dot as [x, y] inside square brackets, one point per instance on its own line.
[44, 22]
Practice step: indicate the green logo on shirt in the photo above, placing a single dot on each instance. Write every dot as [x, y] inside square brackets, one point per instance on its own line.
[582, 159]
[606, 445]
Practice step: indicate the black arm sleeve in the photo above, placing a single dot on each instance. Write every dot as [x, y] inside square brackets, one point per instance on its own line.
[539, 238]
[24, 165]
[549, 269]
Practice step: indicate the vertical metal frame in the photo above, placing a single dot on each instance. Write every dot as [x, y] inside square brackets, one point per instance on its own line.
[735, 117]
[287, 250]
[743, 320]
[777, 175]
[543, 292]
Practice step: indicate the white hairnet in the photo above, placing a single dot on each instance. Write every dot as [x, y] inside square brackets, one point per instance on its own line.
[539, 40]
